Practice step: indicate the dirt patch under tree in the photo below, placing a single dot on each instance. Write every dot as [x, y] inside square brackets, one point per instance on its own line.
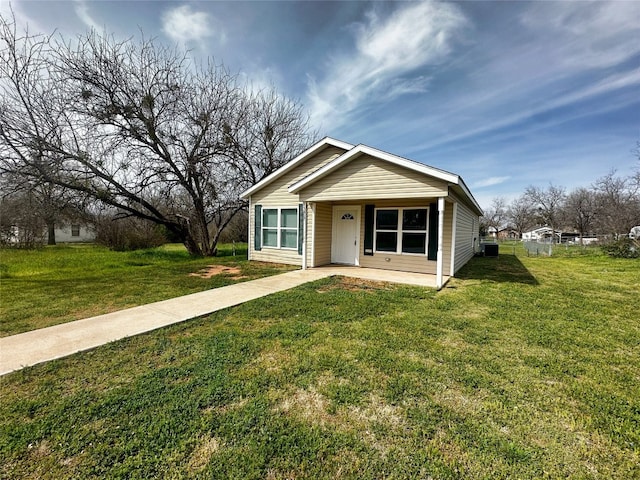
[213, 270]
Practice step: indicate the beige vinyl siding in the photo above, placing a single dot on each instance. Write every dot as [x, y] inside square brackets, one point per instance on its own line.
[401, 262]
[455, 197]
[407, 262]
[373, 179]
[323, 231]
[276, 193]
[275, 255]
[466, 229]
[270, 254]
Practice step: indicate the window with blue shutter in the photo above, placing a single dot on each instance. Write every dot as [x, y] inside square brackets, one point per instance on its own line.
[433, 232]
[257, 220]
[369, 212]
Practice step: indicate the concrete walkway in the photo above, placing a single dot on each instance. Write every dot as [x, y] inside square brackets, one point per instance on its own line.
[37, 346]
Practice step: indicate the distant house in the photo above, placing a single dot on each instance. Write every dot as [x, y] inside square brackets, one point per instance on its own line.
[356, 205]
[75, 232]
[504, 233]
[541, 234]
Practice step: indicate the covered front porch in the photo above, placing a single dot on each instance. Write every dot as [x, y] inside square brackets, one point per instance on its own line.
[406, 237]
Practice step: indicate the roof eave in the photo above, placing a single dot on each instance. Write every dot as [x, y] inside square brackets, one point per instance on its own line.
[469, 195]
[326, 141]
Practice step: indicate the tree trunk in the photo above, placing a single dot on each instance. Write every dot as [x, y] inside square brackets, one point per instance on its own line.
[192, 245]
[51, 234]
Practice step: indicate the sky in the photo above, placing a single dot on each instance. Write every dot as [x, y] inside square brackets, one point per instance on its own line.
[504, 94]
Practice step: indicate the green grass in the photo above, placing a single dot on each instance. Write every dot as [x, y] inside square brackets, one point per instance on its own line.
[520, 368]
[59, 284]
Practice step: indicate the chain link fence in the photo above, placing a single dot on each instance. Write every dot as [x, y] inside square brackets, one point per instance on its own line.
[538, 248]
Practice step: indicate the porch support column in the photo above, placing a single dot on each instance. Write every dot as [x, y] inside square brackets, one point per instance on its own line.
[313, 234]
[304, 235]
[250, 229]
[439, 258]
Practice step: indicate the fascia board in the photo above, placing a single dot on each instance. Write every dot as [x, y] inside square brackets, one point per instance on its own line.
[327, 141]
[469, 195]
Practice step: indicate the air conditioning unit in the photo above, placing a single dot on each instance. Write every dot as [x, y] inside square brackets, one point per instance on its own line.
[490, 249]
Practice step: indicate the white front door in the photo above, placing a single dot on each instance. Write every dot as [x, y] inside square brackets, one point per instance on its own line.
[346, 234]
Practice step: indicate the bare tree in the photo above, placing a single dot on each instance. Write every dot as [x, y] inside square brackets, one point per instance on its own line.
[580, 210]
[50, 204]
[141, 128]
[548, 204]
[618, 204]
[19, 227]
[521, 214]
[496, 215]
[635, 178]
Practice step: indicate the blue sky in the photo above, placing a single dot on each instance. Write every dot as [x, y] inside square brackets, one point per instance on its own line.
[505, 94]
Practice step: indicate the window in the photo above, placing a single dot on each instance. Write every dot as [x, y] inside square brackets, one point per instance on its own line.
[280, 227]
[401, 230]
[75, 230]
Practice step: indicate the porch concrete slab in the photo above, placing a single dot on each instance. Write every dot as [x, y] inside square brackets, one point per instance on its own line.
[380, 275]
[37, 346]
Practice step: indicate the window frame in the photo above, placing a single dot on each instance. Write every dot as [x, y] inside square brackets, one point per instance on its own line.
[399, 231]
[279, 228]
[75, 230]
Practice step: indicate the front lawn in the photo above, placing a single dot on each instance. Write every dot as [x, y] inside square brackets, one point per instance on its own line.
[521, 368]
[68, 282]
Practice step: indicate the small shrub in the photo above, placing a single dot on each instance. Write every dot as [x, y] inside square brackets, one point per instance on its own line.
[124, 234]
[623, 248]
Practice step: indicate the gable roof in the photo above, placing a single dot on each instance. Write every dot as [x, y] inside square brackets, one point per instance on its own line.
[373, 152]
[354, 151]
[315, 148]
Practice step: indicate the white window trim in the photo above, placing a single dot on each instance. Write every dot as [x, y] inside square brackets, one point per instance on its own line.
[279, 227]
[399, 231]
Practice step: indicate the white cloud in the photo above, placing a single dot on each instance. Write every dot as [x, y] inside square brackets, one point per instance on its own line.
[184, 25]
[544, 105]
[23, 21]
[387, 51]
[570, 60]
[82, 11]
[587, 35]
[261, 79]
[489, 182]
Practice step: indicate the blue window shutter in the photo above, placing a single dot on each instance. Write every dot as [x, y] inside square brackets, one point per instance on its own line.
[432, 253]
[369, 211]
[300, 227]
[257, 221]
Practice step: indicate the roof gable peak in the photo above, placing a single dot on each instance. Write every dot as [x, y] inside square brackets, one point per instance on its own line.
[301, 158]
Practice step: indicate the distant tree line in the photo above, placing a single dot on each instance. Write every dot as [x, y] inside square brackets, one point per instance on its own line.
[610, 207]
[134, 130]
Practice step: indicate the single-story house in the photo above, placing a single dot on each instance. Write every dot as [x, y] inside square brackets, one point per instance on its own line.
[541, 234]
[503, 233]
[75, 232]
[72, 232]
[338, 203]
[544, 235]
